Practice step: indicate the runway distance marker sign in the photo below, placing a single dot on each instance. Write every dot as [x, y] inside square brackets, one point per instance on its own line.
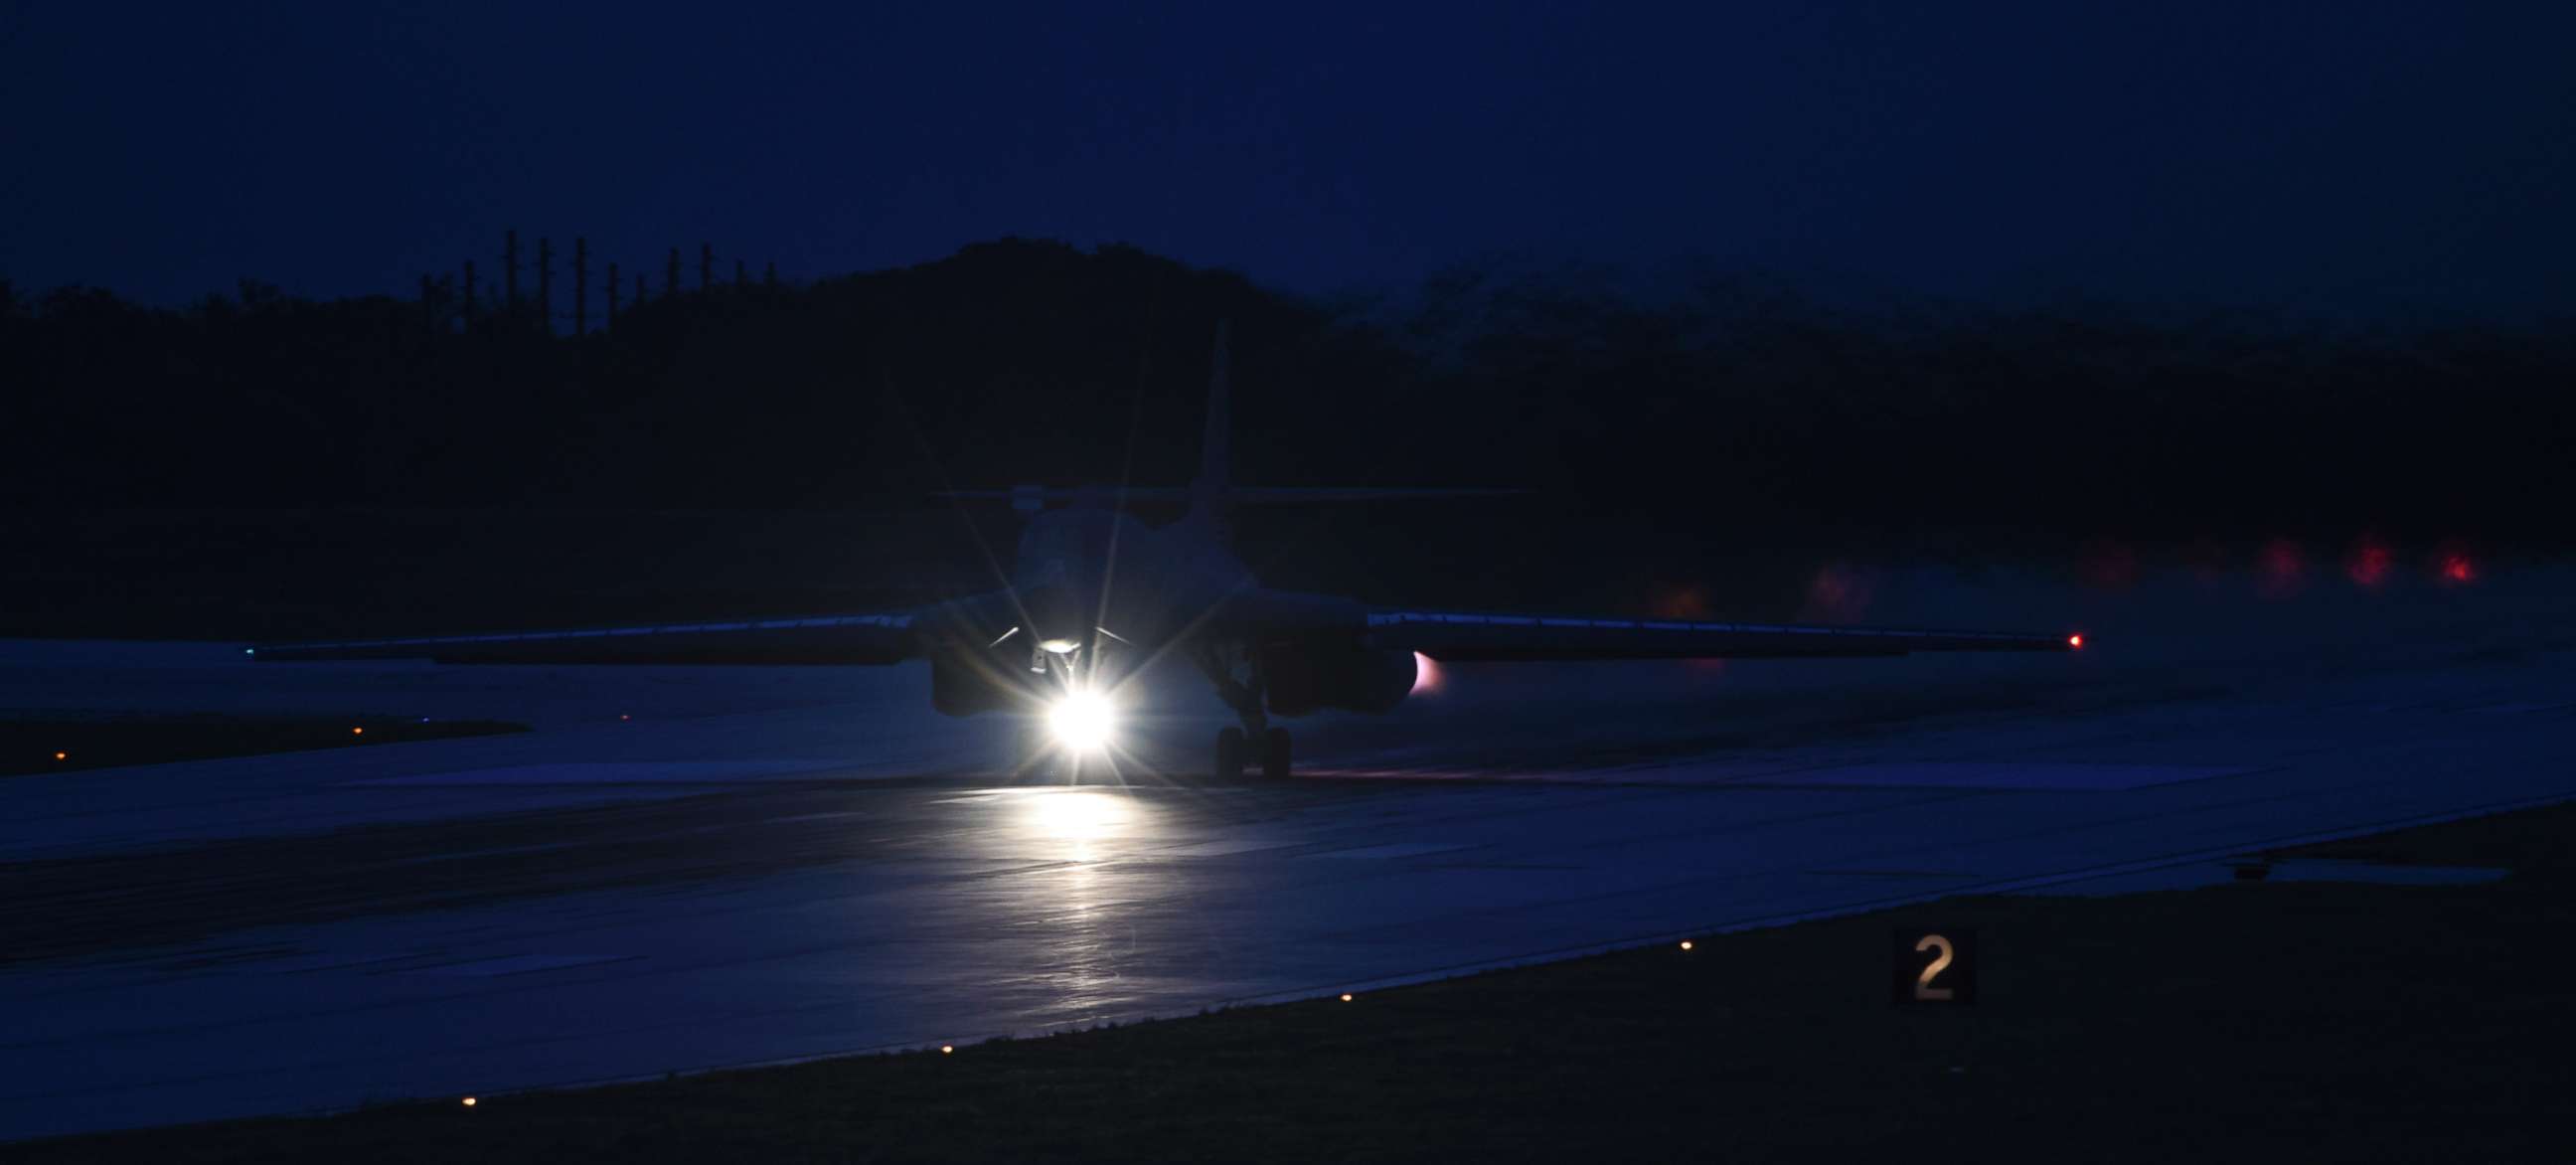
[1934, 966]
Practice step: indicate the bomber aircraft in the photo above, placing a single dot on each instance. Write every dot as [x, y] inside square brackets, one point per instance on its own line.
[1094, 590]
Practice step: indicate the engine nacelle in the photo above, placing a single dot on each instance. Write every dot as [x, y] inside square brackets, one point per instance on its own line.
[1304, 679]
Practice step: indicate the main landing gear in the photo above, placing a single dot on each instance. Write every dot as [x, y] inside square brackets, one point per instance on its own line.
[1235, 750]
[1274, 754]
[1236, 671]
[1229, 753]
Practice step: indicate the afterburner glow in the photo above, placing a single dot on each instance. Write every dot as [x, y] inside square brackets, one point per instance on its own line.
[1082, 721]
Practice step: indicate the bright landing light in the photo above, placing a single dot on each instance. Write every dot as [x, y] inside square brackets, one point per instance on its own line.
[1082, 721]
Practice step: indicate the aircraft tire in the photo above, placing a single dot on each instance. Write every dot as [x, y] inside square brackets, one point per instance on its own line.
[1274, 754]
[1229, 754]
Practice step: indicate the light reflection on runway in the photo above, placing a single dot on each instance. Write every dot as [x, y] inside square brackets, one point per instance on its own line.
[1078, 818]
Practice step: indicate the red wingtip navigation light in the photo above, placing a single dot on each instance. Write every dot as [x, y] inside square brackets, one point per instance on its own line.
[2075, 642]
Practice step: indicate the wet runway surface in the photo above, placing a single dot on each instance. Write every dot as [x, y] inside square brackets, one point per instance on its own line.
[769, 865]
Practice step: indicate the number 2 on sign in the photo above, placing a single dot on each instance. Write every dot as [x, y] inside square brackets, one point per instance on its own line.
[1923, 988]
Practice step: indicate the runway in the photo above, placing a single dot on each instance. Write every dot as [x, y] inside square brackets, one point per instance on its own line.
[766, 865]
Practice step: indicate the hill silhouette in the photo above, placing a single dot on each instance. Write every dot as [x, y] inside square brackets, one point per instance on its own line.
[1664, 433]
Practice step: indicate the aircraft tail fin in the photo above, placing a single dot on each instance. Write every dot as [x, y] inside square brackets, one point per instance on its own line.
[1216, 443]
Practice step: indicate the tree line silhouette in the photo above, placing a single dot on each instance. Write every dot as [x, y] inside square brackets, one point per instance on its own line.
[1663, 431]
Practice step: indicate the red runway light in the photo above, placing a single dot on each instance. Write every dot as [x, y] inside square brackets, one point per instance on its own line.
[2281, 569]
[2075, 641]
[2108, 564]
[2369, 563]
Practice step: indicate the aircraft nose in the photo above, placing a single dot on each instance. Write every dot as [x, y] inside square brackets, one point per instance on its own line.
[1059, 617]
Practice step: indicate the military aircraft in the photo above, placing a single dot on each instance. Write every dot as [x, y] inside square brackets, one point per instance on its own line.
[1095, 593]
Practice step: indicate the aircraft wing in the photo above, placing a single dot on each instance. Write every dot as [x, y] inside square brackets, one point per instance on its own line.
[820, 639]
[1464, 637]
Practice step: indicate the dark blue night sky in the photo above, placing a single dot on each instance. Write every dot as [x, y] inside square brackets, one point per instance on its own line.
[2315, 157]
